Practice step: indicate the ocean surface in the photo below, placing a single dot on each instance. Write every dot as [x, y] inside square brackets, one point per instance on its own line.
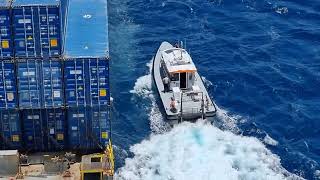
[260, 60]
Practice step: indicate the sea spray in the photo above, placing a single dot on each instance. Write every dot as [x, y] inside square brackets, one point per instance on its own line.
[201, 151]
[143, 89]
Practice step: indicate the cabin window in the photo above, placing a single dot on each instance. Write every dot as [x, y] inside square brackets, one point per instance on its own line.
[95, 159]
[175, 77]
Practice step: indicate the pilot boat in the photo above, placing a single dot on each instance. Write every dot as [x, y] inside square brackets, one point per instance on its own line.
[180, 87]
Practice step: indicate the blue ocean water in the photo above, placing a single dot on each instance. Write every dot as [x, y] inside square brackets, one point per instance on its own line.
[261, 62]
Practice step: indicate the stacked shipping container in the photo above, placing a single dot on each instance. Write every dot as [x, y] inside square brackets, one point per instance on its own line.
[6, 50]
[36, 28]
[10, 124]
[37, 44]
[49, 100]
[44, 129]
[40, 83]
[86, 74]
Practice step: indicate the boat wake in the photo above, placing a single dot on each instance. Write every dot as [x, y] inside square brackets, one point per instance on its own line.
[197, 150]
[201, 151]
[143, 89]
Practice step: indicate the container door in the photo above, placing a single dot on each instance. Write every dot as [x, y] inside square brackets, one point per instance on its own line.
[5, 34]
[8, 98]
[34, 134]
[49, 23]
[77, 128]
[52, 83]
[24, 32]
[54, 128]
[99, 82]
[10, 133]
[99, 126]
[29, 84]
[37, 31]
[75, 85]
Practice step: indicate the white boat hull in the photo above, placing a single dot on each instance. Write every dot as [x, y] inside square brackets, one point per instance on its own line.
[185, 111]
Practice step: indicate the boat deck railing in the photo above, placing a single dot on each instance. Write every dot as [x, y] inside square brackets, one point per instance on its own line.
[191, 104]
[191, 97]
[191, 111]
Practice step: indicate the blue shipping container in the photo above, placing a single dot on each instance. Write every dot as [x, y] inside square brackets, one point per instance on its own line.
[88, 128]
[8, 88]
[54, 122]
[10, 132]
[87, 29]
[86, 82]
[6, 48]
[28, 76]
[37, 28]
[75, 85]
[40, 84]
[100, 125]
[52, 83]
[44, 130]
[33, 131]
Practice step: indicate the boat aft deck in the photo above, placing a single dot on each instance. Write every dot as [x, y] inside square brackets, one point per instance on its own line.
[191, 103]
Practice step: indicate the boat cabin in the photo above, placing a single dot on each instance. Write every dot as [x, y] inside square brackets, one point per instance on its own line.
[177, 64]
[179, 85]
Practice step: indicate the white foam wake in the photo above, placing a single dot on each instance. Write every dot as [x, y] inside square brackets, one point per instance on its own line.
[269, 140]
[143, 89]
[143, 86]
[198, 151]
[317, 174]
[201, 151]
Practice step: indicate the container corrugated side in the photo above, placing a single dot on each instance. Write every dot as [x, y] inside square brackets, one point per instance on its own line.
[37, 31]
[40, 83]
[88, 128]
[6, 46]
[8, 90]
[10, 132]
[86, 81]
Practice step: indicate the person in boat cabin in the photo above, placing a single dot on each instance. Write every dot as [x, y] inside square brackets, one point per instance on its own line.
[166, 84]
